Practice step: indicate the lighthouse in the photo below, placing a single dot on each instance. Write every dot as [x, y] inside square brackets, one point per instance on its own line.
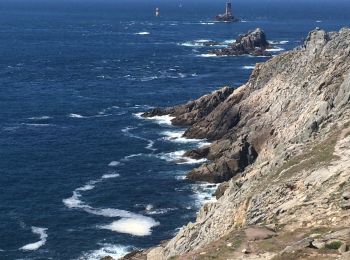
[228, 15]
[228, 9]
[157, 12]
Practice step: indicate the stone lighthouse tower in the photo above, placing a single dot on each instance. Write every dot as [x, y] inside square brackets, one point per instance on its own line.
[228, 9]
[228, 15]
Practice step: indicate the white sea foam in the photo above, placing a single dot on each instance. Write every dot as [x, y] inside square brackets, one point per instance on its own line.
[278, 42]
[38, 125]
[203, 193]
[110, 175]
[177, 136]
[277, 49]
[35, 246]
[130, 222]
[207, 23]
[128, 157]
[40, 117]
[150, 143]
[162, 120]
[208, 55]
[179, 158]
[203, 144]
[227, 42]
[160, 211]
[248, 67]
[318, 21]
[115, 251]
[76, 116]
[283, 42]
[113, 163]
[143, 33]
[137, 226]
[74, 201]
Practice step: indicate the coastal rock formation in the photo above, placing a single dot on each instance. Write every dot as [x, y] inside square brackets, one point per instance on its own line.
[282, 141]
[253, 43]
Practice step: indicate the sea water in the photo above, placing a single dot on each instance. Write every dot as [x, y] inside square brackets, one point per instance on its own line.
[82, 175]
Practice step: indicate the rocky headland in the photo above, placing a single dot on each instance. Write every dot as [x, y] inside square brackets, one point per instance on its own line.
[253, 43]
[281, 151]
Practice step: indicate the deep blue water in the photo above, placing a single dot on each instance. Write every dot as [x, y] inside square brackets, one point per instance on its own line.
[74, 156]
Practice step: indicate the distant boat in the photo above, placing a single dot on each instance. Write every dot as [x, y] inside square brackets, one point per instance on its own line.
[157, 12]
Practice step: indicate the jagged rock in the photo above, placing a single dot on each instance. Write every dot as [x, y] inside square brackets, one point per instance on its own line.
[253, 43]
[198, 153]
[258, 233]
[194, 110]
[318, 243]
[304, 243]
[243, 155]
[107, 258]
[135, 255]
[346, 195]
[273, 114]
[221, 190]
[210, 43]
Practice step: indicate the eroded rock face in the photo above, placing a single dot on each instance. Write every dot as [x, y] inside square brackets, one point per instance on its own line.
[253, 43]
[285, 137]
[193, 111]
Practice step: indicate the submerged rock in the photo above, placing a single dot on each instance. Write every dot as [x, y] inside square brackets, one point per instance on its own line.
[253, 43]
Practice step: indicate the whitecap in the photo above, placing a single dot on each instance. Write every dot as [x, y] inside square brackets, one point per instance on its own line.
[115, 251]
[143, 33]
[204, 144]
[275, 49]
[248, 67]
[318, 21]
[40, 117]
[76, 116]
[159, 211]
[38, 125]
[110, 175]
[113, 163]
[162, 120]
[128, 157]
[177, 136]
[283, 42]
[179, 158]
[278, 42]
[227, 42]
[150, 143]
[73, 201]
[137, 226]
[208, 55]
[35, 246]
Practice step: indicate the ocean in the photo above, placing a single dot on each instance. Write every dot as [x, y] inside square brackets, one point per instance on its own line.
[82, 175]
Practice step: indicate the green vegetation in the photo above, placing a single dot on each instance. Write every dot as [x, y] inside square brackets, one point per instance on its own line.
[334, 245]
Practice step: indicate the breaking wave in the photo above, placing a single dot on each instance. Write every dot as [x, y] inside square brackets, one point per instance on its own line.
[35, 246]
[115, 251]
[129, 222]
[142, 33]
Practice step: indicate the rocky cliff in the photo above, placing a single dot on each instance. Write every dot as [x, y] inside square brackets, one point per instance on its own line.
[254, 43]
[281, 147]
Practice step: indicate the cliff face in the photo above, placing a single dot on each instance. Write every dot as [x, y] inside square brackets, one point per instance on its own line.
[282, 141]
